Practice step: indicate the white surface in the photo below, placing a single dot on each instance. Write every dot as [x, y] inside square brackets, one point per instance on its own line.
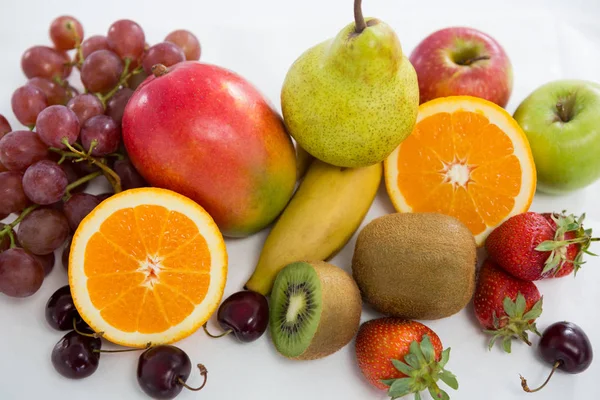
[545, 40]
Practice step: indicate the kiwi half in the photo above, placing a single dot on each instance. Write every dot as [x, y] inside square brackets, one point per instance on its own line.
[315, 310]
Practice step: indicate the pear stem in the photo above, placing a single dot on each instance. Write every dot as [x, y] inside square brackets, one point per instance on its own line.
[359, 20]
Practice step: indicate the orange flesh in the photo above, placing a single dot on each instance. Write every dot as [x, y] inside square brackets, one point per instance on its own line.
[444, 144]
[147, 268]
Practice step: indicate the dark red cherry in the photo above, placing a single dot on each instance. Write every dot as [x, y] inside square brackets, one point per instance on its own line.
[163, 370]
[61, 311]
[245, 314]
[76, 356]
[566, 346]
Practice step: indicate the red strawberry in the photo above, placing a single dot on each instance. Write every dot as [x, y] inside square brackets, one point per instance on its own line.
[505, 306]
[534, 246]
[403, 357]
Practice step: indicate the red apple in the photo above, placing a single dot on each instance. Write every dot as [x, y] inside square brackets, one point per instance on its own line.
[462, 61]
[207, 133]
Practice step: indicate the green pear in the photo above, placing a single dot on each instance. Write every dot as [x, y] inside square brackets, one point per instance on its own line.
[351, 100]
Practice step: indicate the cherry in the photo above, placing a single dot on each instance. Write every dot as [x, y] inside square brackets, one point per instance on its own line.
[60, 310]
[245, 314]
[163, 370]
[565, 346]
[76, 356]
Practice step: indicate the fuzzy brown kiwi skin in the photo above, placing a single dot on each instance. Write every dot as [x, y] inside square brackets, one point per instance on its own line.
[340, 316]
[415, 265]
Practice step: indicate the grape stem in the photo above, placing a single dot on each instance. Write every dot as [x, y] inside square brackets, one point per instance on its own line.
[79, 58]
[81, 155]
[227, 332]
[80, 181]
[7, 230]
[125, 75]
[203, 373]
[11, 235]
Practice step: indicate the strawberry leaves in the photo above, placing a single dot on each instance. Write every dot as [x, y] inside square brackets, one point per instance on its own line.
[515, 324]
[422, 372]
[558, 247]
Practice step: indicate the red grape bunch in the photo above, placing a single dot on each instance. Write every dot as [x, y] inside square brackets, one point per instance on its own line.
[72, 137]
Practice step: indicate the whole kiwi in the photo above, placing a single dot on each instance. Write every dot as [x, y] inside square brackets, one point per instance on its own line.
[415, 265]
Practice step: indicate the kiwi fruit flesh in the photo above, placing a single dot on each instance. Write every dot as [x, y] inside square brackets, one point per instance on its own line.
[315, 310]
[415, 265]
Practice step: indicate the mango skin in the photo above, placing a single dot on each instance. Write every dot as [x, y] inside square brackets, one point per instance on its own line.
[350, 101]
[205, 132]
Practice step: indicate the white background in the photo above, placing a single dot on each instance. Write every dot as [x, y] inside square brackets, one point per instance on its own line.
[259, 39]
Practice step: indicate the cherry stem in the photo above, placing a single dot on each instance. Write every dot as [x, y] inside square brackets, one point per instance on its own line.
[80, 181]
[159, 70]
[112, 177]
[359, 20]
[227, 332]
[95, 335]
[203, 373]
[148, 345]
[524, 381]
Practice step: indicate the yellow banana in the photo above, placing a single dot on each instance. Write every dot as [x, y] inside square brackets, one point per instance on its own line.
[324, 213]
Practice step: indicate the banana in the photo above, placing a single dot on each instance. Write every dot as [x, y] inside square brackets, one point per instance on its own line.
[324, 213]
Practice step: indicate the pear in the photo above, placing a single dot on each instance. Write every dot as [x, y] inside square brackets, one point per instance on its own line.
[351, 100]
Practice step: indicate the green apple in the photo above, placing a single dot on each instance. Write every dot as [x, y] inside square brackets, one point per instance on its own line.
[562, 122]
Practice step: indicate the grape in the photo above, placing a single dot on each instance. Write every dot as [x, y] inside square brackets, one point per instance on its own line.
[136, 80]
[12, 195]
[101, 71]
[27, 102]
[66, 32]
[78, 207]
[84, 168]
[85, 106]
[43, 231]
[103, 196]
[45, 182]
[46, 261]
[127, 39]
[165, 53]
[187, 41]
[130, 177]
[105, 131]
[55, 94]
[45, 62]
[66, 253]
[4, 239]
[20, 149]
[116, 105]
[72, 176]
[57, 123]
[93, 43]
[21, 275]
[4, 126]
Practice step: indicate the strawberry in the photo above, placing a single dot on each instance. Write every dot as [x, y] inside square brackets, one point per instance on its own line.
[505, 306]
[533, 246]
[382, 344]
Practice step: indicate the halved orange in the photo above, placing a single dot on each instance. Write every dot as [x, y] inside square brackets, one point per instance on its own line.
[466, 157]
[147, 266]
